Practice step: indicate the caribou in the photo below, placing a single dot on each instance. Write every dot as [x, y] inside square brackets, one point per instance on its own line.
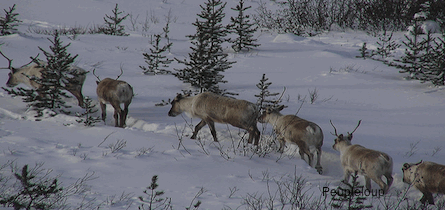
[295, 130]
[427, 177]
[114, 92]
[211, 108]
[371, 164]
[23, 75]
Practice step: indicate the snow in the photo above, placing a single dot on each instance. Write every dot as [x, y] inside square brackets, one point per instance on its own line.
[395, 113]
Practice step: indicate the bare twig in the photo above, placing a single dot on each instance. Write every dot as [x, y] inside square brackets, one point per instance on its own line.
[180, 139]
[106, 138]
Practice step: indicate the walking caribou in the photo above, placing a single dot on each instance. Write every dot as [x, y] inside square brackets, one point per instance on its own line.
[295, 130]
[211, 108]
[370, 163]
[114, 92]
[427, 177]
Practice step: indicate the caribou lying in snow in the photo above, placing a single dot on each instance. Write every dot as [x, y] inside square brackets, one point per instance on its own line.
[114, 92]
[292, 129]
[369, 163]
[427, 177]
[211, 108]
[73, 83]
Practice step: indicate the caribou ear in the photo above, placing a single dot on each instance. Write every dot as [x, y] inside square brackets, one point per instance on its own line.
[179, 96]
[349, 136]
[340, 136]
[421, 161]
[406, 166]
[281, 107]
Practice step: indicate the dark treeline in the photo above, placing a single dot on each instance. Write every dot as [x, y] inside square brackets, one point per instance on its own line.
[310, 17]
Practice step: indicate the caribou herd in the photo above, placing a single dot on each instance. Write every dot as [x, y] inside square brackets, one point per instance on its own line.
[427, 177]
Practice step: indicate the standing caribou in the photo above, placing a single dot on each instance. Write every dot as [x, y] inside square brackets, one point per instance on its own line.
[211, 108]
[427, 177]
[73, 83]
[369, 163]
[114, 92]
[292, 129]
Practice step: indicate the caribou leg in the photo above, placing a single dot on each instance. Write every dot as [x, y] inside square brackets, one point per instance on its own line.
[103, 107]
[197, 128]
[117, 113]
[212, 129]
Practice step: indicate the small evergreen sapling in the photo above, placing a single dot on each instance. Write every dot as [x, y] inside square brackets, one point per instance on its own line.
[386, 45]
[154, 200]
[263, 98]
[9, 22]
[434, 65]
[32, 192]
[113, 23]
[364, 53]
[166, 31]
[242, 27]
[350, 197]
[157, 62]
[86, 118]
[411, 62]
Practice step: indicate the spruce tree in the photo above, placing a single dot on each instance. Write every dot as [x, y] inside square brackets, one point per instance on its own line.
[9, 22]
[263, 98]
[54, 77]
[364, 52]
[351, 197]
[434, 63]
[86, 117]
[113, 23]
[207, 60]
[32, 192]
[411, 62]
[157, 62]
[166, 31]
[154, 199]
[386, 45]
[242, 27]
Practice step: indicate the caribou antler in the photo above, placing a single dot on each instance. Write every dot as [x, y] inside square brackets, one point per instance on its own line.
[94, 73]
[281, 96]
[350, 134]
[9, 61]
[122, 71]
[360, 121]
[335, 129]
[33, 59]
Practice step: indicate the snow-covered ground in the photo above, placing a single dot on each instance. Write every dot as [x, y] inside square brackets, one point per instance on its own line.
[401, 118]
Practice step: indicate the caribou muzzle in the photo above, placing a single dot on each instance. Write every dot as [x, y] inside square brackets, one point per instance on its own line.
[173, 114]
